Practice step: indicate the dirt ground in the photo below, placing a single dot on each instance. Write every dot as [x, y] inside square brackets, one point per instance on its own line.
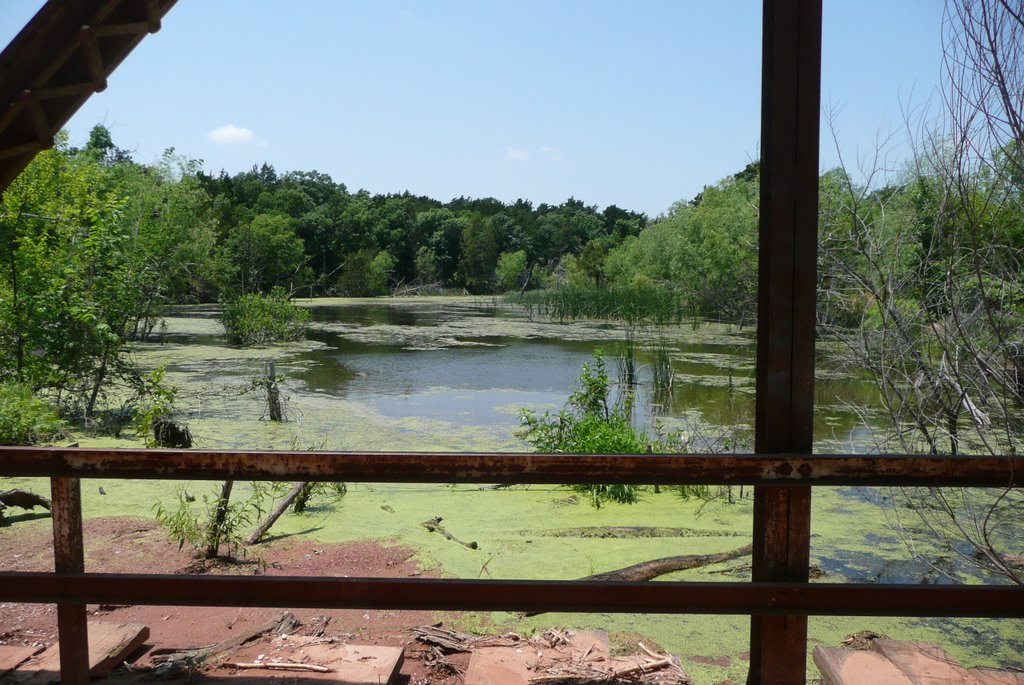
[123, 545]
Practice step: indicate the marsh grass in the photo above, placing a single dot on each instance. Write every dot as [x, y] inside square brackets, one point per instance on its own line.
[662, 373]
[634, 304]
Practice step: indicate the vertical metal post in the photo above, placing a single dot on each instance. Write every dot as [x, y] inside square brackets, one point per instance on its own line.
[790, 111]
[69, 557]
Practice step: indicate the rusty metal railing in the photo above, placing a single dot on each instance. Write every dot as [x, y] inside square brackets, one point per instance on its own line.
[71, 588]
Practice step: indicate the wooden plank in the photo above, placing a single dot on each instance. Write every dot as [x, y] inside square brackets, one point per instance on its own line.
[997, 676]
[924, 663]
[109, 645]
[11, 657]
[857, 667]
[498, 666]
[358, 664]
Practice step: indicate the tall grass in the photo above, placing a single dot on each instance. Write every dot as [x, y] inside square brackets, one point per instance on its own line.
[625, 360]
[662, 373]
[634, 304]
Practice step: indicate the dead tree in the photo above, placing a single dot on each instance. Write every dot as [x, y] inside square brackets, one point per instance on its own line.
[920, 283]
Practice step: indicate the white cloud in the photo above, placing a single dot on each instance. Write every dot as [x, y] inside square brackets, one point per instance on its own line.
[231, 135]
[516, 154]
[552, 154]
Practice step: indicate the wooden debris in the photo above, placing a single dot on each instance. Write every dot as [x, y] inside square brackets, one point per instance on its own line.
[11, 657]
[437, 660]
[190, 659]
[278, 665]
[109, 645]
[434, 526]
[451, 640]
[348, 664]
[565, 656]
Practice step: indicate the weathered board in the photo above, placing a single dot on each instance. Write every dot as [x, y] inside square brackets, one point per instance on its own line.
[892, 662]
[109, 644]
[511, 665]
[924, 663]
[856, 667]
[348, 664]
[11, 657]
[498, 666]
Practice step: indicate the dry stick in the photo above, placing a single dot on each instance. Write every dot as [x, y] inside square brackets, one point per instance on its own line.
[279, 665]
[643, 668]
[261, 530]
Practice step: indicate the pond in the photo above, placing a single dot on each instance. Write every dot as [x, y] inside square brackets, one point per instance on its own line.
[453, 374]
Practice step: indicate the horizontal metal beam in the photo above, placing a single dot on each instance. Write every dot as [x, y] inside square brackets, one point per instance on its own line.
[419, 467]
[814, 599]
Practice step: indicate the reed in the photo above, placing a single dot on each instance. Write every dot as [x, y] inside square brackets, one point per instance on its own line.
[633, 304]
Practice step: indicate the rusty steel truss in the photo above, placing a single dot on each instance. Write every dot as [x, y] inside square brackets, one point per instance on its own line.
[61, 57]
[66, 53]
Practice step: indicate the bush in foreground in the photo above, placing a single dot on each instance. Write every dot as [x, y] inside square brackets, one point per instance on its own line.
[25, 419]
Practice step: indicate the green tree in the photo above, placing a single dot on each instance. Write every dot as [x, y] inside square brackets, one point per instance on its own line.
[71, 291]
[266, 253]
[511, 270]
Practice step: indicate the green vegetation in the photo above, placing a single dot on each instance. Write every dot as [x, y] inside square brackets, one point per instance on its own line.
[157, 406]
[257, 319]
[593, 423]
[634, 304]
[216, 522]
[26, 419]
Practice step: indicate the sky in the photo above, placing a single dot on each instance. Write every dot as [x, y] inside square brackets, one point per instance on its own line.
[636, 103]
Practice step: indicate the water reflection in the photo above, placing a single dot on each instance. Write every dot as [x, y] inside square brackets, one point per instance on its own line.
[475, 363]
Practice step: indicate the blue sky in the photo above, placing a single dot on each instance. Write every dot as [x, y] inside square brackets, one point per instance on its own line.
[637, 103]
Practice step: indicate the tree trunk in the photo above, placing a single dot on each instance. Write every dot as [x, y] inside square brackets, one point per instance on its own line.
[217, 524]
[257, 534]
[273, 394]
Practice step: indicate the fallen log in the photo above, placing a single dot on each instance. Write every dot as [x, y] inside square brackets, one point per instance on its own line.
[648, 570]
[188, 660]
[434, 526]
[23, 499]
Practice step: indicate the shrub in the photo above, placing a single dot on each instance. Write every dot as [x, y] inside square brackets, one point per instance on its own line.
[25, 419]
[590, 424]
[256, 319]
